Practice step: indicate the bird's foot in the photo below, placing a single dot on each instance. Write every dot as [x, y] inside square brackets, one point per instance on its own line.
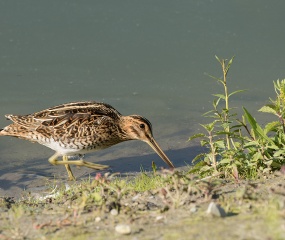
[79, 163]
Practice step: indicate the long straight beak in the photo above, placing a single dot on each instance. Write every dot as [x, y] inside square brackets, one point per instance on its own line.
[158, 150]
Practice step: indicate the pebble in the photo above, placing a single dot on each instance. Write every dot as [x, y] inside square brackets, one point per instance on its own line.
[136, 197]
[97, 219]
[159, 218]
[123, 229]
[215, 210]
[193, 209]
[114, 212]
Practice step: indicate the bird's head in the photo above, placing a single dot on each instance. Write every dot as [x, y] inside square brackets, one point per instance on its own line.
[136, 127]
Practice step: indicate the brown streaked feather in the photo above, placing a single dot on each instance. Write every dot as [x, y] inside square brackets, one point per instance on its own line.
[68, 120]
[63, 111]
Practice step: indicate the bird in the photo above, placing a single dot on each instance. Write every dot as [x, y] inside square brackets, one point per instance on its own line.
[77, 128]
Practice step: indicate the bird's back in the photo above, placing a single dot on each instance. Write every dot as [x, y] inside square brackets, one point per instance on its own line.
[88, 122]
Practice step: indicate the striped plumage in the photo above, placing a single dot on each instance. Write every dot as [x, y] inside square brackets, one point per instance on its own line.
[79, 128]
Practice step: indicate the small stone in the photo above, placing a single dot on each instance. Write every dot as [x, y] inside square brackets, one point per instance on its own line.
[159, 218]
[215, 210]
[97, 219]
[193, 209]
[114, 212]
[136, 197]
[123, 229]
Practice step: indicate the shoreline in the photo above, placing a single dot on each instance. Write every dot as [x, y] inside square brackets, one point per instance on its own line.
[174, 207]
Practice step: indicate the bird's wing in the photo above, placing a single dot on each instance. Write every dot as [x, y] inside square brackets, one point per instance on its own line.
[67, 115]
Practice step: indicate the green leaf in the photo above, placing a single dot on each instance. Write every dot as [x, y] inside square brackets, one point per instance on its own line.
[209, 127]
[223, 133]
[279, 153]
[97, 197]
[204, 142]
[276, 165]
[268, 109]
[256, 127]
[225, 160]
[251, 144]
[221, 81]
[219, 96]
[206, 113]
[271, 126]
[229, 64]
[198, 135]
[205, 168]
[220, 144]
[274, 147]
[213, 77]
[197, 167]
[238, 91]
[236, 126]
[256, 157]
[216, 103]
[268, 163]
[199, 157]
[220, 61]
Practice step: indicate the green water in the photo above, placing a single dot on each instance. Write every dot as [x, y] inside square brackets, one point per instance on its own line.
[143, 57]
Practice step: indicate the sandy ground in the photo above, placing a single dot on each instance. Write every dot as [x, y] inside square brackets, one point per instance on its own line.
[253, 210]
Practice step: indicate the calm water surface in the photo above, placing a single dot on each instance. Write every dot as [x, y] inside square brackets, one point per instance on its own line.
[143, 57]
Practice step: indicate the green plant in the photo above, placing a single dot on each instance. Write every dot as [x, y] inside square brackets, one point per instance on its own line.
[277, 107]
[240, 147]
[222, 137]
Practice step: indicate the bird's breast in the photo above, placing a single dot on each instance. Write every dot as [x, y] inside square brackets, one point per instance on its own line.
[72, 146]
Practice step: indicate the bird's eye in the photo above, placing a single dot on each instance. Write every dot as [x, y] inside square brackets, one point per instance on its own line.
[142, 126]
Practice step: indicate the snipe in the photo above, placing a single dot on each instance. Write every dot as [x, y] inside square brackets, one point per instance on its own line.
[81, 127]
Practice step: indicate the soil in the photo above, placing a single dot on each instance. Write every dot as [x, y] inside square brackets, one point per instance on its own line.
[253, 210]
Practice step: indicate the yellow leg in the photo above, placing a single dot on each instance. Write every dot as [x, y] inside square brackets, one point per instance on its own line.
[53, 160]
[68, 169]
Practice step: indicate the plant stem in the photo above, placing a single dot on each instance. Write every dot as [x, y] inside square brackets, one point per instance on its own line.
[213, 151]
[226, 116]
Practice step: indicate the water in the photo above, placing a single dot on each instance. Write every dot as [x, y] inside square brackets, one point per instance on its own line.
[143, 57]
